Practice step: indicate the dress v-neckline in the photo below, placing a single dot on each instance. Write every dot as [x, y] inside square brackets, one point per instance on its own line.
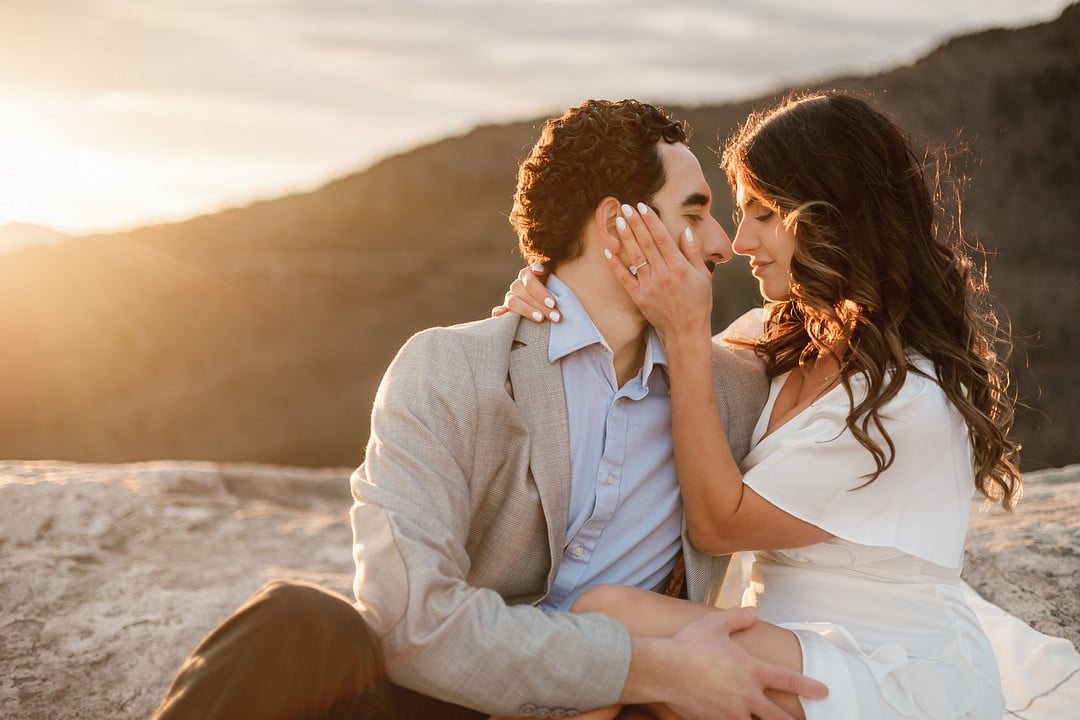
[761, 429]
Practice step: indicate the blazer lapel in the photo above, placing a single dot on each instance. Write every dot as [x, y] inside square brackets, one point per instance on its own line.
[539, 392]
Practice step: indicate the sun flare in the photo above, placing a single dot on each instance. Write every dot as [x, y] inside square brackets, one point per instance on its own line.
[47, 180]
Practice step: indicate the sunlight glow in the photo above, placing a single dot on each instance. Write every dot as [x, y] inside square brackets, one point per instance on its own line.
[150, 112]
[49, 181]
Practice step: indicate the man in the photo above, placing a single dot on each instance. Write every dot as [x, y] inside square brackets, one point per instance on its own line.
[511, 465]
[509, 469]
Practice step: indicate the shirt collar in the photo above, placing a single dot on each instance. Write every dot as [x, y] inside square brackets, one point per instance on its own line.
[654, 355]
[577, 331]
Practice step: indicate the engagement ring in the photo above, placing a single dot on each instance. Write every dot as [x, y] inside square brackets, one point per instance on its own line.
[634, 268]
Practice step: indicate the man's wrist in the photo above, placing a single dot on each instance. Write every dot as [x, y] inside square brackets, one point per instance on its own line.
[651, 663]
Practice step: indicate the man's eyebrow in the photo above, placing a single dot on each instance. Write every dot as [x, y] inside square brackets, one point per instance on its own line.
[695, 199]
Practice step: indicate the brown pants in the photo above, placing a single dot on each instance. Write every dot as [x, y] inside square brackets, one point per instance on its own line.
[294, 651]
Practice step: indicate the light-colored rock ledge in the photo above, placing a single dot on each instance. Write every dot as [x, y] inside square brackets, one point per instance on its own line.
[110, 574]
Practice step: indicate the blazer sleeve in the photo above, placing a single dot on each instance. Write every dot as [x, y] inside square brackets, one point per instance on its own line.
[411, 519]
[741, 391]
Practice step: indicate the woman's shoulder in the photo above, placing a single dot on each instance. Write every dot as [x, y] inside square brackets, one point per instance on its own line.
[748, 327]
[919, 409]
[922, 387]
[920, 379]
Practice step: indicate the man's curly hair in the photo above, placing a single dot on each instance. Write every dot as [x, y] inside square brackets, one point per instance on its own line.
[596, 150]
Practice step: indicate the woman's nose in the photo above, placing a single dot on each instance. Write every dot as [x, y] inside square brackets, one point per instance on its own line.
[742, 242]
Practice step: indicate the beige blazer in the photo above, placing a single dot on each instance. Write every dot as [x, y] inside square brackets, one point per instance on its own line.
[460, 515]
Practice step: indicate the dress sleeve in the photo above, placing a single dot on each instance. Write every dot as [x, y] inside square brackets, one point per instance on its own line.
[812, 467]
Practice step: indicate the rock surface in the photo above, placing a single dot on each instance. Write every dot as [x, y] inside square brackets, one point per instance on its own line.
[1028, 561]
[111, 574]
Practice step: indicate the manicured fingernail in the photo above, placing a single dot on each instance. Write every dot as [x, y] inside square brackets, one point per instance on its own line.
[643, 208]
[689, 237]
[538, 267]
[555, 316]
[537, 316]
[627, 211]
[607, 253]
[550, 302]
[620, 223]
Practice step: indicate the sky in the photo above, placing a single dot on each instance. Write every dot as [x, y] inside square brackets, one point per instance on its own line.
[117, 113]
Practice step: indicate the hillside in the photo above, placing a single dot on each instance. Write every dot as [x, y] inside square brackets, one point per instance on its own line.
[260, 333]
[14, 236]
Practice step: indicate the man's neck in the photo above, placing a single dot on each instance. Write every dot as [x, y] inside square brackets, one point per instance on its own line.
[611, 310]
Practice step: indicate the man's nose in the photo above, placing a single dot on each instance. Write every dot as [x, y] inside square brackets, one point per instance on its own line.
[718, 245]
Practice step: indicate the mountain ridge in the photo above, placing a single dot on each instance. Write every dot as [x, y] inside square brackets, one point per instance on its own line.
[16, 235]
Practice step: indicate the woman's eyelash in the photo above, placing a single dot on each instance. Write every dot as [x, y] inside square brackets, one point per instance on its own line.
[765, 216]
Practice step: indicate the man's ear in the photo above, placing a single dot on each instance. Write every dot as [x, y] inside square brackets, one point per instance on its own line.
[604, 216]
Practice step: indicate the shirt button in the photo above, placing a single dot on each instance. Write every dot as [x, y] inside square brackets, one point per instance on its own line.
[610, 479]
[579, 551]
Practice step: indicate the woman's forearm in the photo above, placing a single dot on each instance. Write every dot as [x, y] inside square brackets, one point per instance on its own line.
[709, 477]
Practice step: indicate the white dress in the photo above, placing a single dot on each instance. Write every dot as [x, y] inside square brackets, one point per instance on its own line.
[879, 610]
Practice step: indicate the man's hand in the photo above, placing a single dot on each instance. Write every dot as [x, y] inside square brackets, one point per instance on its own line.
[703, 674]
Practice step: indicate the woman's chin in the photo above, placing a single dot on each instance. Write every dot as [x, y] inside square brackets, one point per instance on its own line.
[773, 295]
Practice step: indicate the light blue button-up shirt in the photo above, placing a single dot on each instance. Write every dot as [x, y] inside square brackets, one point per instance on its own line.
[625, 512]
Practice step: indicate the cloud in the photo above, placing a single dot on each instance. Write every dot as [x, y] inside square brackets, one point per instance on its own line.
[242, 98]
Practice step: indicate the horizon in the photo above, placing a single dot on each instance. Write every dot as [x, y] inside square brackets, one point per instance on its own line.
[286, 100]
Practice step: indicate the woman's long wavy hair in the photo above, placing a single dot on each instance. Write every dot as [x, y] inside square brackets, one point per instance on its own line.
[881, 268]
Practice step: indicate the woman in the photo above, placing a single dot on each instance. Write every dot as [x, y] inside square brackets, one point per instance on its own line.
[888, 409]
